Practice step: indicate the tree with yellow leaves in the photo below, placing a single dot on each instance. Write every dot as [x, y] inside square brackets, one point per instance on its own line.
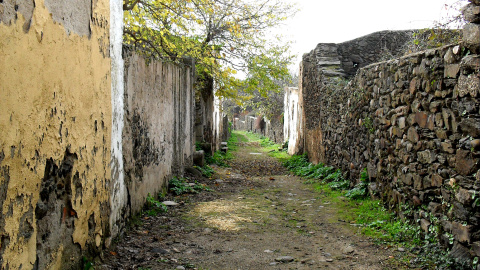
[223, 36]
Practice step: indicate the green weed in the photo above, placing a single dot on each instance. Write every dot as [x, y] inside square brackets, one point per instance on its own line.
[206, 170]
[153, 206]
[179, 186]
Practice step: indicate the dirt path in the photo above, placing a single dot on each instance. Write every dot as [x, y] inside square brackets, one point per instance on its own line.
[257, 217]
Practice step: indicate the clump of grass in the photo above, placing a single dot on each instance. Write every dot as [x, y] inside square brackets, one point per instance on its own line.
[153, 206]
[179, 186]
[373, 218]
[206, 170]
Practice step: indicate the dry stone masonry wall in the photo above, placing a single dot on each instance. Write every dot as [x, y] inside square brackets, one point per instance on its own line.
[414, 123]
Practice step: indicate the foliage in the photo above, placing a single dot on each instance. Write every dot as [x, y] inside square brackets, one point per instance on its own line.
[217, 158]
[179, 186]
[265, 141]
[269, 104]
[368, 124]
[206, 170]
[153, 206]
[87, 264]
[361, 189]
[223, 36]
[443, 32]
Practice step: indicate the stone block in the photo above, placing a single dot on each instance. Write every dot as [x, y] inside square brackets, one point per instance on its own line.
[441, 133]
[465, 163]
[431, 122]
[447, 147]
[437, 180]
[470, 63]
[434, 208]
[417, 182]
[470, 126]
[199, 158]
[426, 157]
[451, 71]
[471, 37]
[450, 57]
[471, 13]
[475, 144]
[476, 248]
[401, 122]
[427, 182]
[460, 253]
[461, 232]
[421, 119]
[425, 224]
[407, 179]
[414, 85]
[438, 120]
[395, 131]
[468, 85]
[412, 135]
[464, 196]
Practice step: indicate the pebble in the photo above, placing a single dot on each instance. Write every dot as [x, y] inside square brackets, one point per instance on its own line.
[401, 249]
[160, 250]
[329, 260]
[348, 249]
[268, 251]
[285, 259]
[180, 267]
[170, 203]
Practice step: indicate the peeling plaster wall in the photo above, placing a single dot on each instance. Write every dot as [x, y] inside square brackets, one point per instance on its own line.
[55, 125]
[158, 137]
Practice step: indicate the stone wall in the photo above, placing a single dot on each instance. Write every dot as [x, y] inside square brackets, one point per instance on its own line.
[414, 123]
[158, 137]
[344, 59]
[55, 131]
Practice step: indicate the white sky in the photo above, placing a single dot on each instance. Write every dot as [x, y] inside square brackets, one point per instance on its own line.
[336, 21]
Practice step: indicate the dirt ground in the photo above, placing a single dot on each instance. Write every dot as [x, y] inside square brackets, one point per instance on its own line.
[257, 216]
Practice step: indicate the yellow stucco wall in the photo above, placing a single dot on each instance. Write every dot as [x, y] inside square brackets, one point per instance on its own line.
[55, 97]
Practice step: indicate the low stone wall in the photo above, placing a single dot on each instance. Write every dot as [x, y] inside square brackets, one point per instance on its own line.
[414, 123]
[344, 59]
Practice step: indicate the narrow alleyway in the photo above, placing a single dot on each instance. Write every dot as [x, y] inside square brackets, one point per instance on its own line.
[257, 216]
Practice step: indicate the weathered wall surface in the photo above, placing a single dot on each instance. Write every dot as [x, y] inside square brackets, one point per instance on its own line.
[158, 133]
[414, 123]
[293, 121]
[344, 59]
[55, 122]
[273, 129]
